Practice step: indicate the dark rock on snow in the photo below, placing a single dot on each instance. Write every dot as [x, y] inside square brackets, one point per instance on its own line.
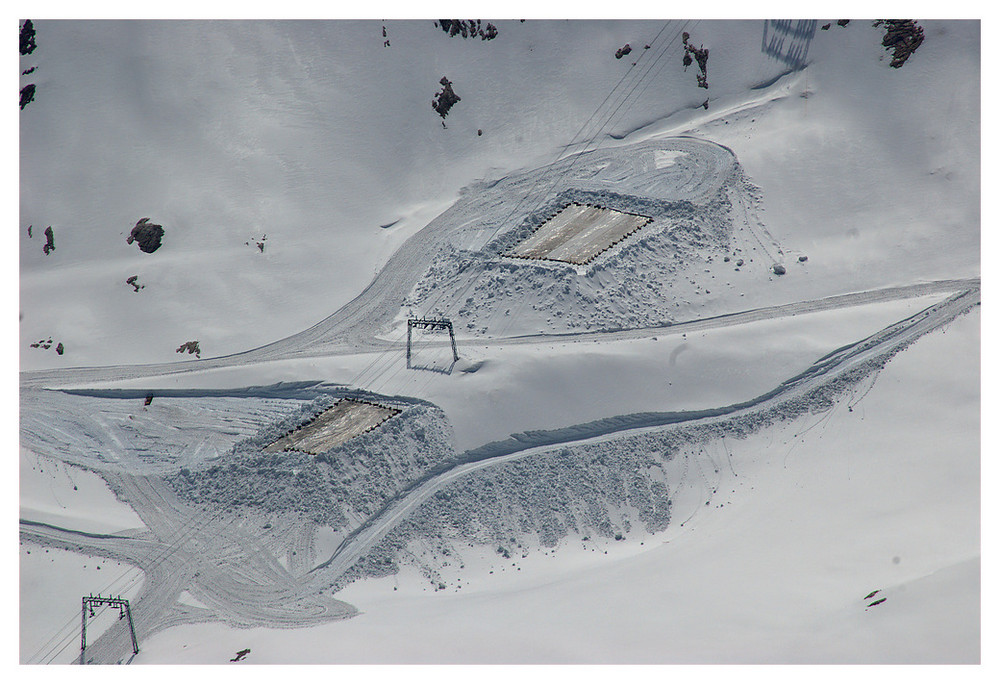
[467, 28]
[50, 241]
[148, 235]
[446, 99]
[28, 44]
[47, 344]
[700, 55]
[191, 348]
[27, 94]
[902, 38]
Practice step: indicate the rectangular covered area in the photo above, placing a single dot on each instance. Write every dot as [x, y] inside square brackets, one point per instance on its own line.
[578, 233]
[341, 422]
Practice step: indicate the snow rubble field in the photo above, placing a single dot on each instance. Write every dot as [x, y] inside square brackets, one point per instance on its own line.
[709, 443]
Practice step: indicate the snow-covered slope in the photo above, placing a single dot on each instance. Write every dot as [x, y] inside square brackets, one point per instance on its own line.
[312, 133]
[724, 415]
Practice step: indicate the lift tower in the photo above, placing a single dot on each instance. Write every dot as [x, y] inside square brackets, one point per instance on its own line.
[87, 607]
[429, 324]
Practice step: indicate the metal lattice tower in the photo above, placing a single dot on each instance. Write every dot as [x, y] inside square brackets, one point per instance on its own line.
[429, 324]
[87, 607]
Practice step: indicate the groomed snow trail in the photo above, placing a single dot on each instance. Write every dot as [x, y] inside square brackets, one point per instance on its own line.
[82, 377]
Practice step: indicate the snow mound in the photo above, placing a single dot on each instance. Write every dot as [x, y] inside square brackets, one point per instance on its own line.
[348, 482]
[702, 213]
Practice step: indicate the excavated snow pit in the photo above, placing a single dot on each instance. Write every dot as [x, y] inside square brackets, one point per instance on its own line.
[343, 421]
[577, 233]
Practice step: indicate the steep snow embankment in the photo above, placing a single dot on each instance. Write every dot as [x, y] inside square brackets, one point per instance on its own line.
[335, 489]
[810, 391]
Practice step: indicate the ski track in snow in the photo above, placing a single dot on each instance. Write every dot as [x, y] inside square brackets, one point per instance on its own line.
[82, 377]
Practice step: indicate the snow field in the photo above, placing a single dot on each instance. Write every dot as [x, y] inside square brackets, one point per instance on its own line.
[244, 128]
[55, 493]
[53, 580]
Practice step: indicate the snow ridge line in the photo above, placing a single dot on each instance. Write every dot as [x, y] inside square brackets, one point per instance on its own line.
[879, 347]
[56, 528]
[742, 317]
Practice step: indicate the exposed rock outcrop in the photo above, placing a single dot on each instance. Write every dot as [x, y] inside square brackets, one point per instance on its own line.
[902, 38]
[467, 28]
[148, 235]
[47, 344]
[27, 94]
[28, 44]
[446, 99]
[50, 241]
[191, 347]
[700, 55]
